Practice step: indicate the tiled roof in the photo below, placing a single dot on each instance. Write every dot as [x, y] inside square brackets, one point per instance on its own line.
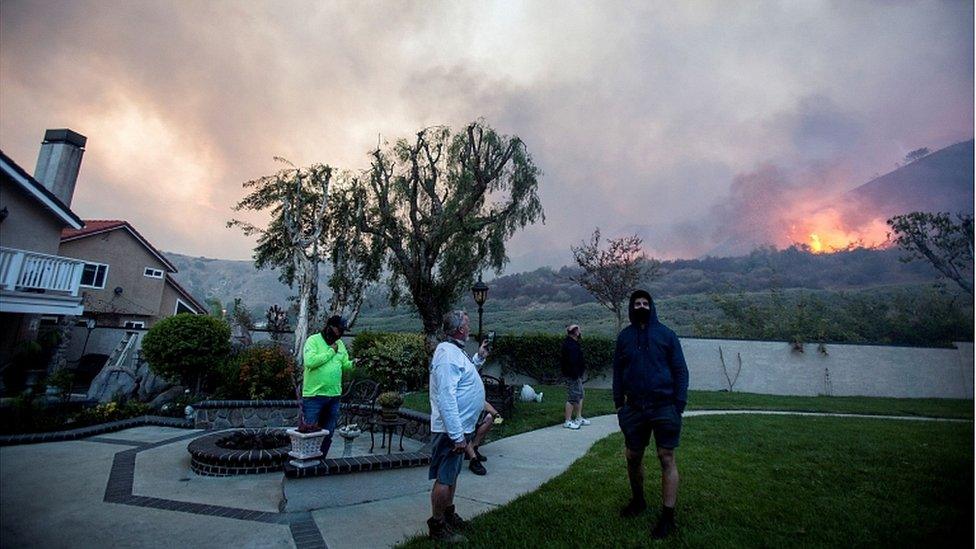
[98, 226]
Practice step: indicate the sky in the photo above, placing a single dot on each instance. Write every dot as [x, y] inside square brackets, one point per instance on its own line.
[678, 121]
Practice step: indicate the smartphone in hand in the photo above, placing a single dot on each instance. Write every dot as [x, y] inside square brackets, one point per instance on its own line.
[490, 338]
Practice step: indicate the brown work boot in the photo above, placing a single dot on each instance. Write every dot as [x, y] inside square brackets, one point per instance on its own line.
[454, 520]
[440, 530]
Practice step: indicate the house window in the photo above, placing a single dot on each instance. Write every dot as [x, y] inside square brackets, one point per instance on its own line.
[182, 307]
[153, 273]
[134, 324]
[94, 275]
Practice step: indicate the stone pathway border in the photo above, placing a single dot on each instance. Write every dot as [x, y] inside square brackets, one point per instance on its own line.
[118, 490]
[93, 430]
[306, 533]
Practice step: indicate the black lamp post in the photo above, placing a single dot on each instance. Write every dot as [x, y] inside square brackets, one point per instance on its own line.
[480, 291]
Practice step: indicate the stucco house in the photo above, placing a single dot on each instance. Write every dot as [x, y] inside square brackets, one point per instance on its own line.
[127, 282]
[35, 281]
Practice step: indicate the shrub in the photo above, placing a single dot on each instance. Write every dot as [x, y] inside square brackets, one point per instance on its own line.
[258, 373]
[185, 348]
[395, 361]
[390, 399]
[111, 411]
[537, 355]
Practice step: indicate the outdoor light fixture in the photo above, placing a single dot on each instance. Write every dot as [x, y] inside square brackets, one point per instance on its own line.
[480, 292]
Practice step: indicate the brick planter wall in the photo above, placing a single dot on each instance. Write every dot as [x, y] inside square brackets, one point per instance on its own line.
[256, 414]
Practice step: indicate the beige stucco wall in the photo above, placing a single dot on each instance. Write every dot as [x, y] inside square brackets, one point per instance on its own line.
[127, 260]
[29, 225]
[168, 306]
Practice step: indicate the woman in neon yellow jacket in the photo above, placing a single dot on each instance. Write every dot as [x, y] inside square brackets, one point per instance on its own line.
[324, 357]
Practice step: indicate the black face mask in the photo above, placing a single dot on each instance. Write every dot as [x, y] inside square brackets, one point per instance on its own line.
[642, 315]
[329, 335]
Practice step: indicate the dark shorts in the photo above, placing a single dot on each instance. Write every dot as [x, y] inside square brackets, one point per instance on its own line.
[638, 423]
[445, 463]
[574, 390]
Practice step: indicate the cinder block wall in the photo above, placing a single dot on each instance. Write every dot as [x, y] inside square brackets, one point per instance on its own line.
[773, 367]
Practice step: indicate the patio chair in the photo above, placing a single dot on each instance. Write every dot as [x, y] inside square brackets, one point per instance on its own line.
[356, 404]
[499, 394]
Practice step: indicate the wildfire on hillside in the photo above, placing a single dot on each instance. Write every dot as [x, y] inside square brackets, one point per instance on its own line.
[826, 231]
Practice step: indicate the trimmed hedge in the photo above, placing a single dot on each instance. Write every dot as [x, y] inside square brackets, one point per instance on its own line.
[537, 355]
[398, 362]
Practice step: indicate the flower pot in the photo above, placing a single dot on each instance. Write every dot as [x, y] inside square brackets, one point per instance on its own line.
[306, 448]
[389, 413]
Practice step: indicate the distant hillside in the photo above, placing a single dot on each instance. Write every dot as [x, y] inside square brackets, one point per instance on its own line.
[939, 182]
[758, 271]
[227, 279]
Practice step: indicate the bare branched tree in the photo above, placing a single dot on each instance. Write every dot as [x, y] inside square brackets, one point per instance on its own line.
[611, 274]
[946, 244]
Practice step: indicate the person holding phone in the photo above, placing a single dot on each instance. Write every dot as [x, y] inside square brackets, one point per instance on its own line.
[457, 398]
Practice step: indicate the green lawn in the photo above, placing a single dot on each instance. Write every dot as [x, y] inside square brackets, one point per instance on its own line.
[529, 416]
[763, 481]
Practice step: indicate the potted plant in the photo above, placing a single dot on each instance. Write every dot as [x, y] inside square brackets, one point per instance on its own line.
[390, 403]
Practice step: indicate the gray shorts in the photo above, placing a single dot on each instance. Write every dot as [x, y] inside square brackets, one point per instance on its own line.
[574, 390]
[445, 463]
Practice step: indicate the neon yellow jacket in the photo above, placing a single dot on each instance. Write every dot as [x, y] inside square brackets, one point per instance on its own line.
[323, 367]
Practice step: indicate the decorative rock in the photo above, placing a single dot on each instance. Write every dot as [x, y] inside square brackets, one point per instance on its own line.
[236, 418]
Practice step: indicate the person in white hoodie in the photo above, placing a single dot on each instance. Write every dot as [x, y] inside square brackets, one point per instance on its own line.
[457, 397]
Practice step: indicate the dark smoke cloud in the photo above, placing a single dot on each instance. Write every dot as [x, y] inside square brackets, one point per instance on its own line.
[641, 115]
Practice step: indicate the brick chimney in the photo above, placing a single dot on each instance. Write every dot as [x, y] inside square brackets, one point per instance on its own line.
[59, 161]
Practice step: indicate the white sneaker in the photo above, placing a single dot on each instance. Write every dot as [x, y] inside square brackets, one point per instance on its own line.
[571, 425]
[582, 421]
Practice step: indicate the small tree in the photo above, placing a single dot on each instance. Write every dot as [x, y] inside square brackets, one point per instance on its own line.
[611, 274]
[292, 242]
[917, 154]
[242, 323]
[946, 244]
[185, 348]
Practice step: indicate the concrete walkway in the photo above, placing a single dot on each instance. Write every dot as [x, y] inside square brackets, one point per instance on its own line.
[133, 488]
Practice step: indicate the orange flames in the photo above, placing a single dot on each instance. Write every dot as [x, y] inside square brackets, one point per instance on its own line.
[824, 231]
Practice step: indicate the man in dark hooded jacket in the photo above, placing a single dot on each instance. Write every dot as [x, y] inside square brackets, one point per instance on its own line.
[650, 390]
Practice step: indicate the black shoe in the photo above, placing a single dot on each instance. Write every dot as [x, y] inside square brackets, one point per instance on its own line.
[633, 508]
[478, 455]
[440, 530]
[665, 526]
[477, 468]
[454, 520]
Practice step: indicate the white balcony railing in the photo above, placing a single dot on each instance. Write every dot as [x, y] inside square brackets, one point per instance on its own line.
[21, 270]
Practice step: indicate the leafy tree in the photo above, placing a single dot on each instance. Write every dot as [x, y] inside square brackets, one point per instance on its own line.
[185, 348]
[611, 274]
[357, 259]
[439, 208]
[214, 307]
[293, 241]
[946, 244]
[917, 154]
[242, 323]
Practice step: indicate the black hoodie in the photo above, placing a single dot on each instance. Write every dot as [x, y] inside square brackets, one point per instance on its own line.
[648, 366]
